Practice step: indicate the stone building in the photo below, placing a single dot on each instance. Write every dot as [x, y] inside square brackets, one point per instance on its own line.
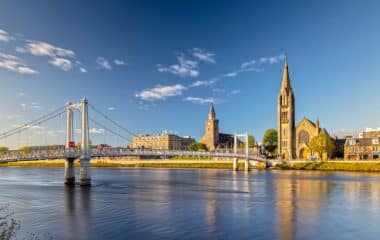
[161, 141]
[212, 138]
[293, 140]
[367, 146]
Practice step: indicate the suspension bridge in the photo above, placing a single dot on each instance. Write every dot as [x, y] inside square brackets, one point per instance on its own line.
[70, 151]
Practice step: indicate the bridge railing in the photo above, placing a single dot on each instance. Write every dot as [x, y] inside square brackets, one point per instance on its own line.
[16, 155]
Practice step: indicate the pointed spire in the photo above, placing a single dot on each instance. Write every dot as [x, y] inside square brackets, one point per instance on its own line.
[211, 113]
[285, 75]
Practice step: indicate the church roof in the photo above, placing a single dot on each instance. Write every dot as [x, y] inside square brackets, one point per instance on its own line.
[307, 120]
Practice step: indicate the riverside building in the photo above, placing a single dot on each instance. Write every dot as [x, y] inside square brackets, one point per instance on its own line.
[161, 141]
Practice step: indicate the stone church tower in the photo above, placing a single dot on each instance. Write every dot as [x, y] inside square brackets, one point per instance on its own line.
[211, 136]
[285, 118]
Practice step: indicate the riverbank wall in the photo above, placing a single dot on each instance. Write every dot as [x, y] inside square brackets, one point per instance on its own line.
[359, 166]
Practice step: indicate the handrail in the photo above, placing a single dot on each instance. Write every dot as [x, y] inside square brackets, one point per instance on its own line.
[16, 155]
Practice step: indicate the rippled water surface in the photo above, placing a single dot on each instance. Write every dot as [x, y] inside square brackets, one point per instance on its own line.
[193, 204]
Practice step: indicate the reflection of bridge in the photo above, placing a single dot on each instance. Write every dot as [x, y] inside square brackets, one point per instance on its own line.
[71, 152]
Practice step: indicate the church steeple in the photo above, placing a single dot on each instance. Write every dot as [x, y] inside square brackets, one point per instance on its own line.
[285, 117]
[285, 76]
[211, 113]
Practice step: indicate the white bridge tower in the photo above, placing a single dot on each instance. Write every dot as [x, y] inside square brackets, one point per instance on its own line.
[85, 156]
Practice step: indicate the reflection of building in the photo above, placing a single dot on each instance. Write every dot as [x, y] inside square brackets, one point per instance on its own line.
[362, 148]
[161, 141]
[293, 140]
[212, 138]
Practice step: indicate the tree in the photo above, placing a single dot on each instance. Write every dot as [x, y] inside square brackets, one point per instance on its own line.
[322, 144]
[197, 146]
[251, 142]
[4, 149]
[270, 140]
[25, 149]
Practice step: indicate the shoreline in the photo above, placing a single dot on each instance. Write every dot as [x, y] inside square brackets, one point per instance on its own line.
[354, 166]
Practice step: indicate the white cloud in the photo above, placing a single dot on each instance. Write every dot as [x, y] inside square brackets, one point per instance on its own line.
[96, 130]
[62, 63]
[91, 130]
[161, 92]
[231, 74]
[111, 108]
[103, 63]
[203, 55]
[4, 36]
[235, 91]
[272, 60]
[199, 100]
[248, 64]
[184, 68]
[15, 64]
[119, 62]
[82, 69]
[38, 48]
[218, 90]
[59, 57]
[203, 83]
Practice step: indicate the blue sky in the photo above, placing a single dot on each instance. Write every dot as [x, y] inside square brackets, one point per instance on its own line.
[156, 65]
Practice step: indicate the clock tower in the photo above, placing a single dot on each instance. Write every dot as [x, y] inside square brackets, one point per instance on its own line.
[211, 136]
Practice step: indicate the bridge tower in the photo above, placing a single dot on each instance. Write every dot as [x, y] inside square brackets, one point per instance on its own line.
[69, 177]
[85, 157]
[85, 175]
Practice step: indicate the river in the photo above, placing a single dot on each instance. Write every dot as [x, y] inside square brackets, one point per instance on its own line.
[193, 204]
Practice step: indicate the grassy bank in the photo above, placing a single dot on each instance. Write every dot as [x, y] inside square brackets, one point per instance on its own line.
[172, 163]
[335, 166]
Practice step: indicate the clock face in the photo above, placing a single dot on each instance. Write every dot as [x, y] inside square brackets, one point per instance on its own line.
[209, 123]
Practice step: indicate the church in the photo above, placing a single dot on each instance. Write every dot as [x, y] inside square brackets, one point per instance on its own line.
[212, 138]
[293, 140]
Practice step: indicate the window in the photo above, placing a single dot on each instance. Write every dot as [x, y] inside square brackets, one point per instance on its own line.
[284, 116]
[303, 137]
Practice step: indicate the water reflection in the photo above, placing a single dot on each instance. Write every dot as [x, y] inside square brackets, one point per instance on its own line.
[77, 212]
[195, 204]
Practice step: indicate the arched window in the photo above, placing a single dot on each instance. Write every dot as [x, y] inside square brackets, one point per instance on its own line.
[303, 137]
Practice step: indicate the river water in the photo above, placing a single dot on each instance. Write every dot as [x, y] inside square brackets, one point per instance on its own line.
[193, 204]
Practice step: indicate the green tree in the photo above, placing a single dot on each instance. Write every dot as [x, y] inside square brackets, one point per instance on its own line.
[270, 140]
[251, 142]
[197, 146]
[321, 144]
[25, 149]
[3, 149]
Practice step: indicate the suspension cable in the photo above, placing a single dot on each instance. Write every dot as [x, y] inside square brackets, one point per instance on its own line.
[115, 123]
[29, 125]
[111, 131]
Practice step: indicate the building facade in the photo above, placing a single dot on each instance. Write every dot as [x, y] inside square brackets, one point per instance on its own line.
[366, 146]
[161, 141]
[212, 138]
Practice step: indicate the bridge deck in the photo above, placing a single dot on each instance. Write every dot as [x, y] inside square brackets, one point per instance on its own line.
[15, 156]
